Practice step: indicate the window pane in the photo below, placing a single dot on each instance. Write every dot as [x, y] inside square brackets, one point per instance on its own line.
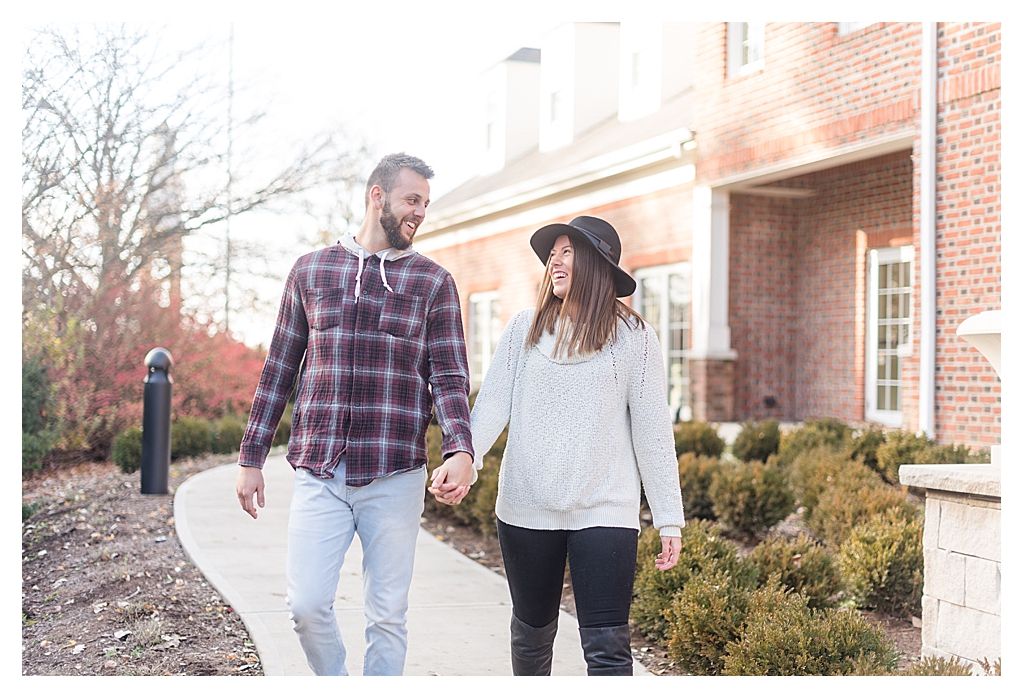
[881, 364]
[880, 397]
[895, 298]
[893, 368]
[905, 274]
[893, 398]
[895, 275]
[905, 304]
[882, 275]
[882, 307]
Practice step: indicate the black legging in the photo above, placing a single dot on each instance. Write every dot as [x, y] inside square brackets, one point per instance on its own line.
[602, 562]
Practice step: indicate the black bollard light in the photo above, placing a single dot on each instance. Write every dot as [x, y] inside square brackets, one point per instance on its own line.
[156, 422]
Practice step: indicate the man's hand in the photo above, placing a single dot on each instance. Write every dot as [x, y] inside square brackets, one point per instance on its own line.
[668, 557]
[450, 482]
[249, 483]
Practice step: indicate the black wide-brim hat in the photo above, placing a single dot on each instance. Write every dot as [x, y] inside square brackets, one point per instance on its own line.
[596, 232]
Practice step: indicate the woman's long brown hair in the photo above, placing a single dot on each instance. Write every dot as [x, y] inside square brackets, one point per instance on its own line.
[591, 306]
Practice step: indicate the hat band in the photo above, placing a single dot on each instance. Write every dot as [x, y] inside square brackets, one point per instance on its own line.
[602, 246]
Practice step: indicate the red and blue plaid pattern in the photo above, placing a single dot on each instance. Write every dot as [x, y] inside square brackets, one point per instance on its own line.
[368, 367]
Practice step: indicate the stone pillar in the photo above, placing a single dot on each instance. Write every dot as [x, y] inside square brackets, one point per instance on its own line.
[711, 355]
[962, 560]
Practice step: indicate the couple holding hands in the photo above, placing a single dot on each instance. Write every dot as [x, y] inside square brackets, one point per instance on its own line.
[372, 333]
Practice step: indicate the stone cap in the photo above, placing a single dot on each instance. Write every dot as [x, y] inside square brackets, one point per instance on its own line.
[983, 479]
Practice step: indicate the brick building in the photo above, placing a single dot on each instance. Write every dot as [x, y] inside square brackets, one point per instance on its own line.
[810, 209]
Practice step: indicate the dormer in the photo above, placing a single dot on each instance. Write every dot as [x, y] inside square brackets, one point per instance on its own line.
[512, 96]
[655, 63]
[578, 80]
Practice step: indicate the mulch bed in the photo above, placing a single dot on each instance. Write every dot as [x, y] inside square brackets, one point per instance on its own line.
[107, 588]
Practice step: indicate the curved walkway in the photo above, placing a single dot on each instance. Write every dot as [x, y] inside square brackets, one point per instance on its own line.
[458, 610]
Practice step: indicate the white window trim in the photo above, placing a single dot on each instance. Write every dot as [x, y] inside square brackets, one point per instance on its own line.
[877, 257]
[489, 340]
[734, 44]
[665, 270]
[845, 28]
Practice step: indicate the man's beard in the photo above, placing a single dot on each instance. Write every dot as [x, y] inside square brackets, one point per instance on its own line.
[392, 227]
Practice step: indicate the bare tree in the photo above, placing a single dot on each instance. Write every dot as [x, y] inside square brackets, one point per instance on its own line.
[124, 158]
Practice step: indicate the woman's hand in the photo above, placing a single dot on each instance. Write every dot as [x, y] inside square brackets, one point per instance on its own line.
[668, 557]
[450, 482]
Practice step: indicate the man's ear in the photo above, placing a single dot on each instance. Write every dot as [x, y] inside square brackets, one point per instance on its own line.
[376, 196]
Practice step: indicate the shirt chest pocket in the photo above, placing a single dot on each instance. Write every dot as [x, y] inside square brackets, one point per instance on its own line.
[403, 315]
[323, 307]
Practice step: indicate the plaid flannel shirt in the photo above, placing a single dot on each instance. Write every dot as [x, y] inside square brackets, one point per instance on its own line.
[368, 365]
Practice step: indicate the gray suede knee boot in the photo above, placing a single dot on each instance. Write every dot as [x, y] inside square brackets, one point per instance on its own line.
[608, 651]
[532, 649]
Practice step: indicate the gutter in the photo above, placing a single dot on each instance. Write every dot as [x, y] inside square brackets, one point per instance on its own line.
[928, 233]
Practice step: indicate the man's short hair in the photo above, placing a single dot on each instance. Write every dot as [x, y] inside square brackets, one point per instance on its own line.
[385, 174]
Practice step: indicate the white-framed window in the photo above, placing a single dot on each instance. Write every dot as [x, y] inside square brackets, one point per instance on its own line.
[745, 47]
[484, 331]
[889, 326]
[663, 299]
[849, 27]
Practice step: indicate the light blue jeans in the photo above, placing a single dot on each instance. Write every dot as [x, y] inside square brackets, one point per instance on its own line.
[325, 515]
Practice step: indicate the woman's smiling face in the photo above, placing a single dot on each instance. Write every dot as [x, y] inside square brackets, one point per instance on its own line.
[560, 266]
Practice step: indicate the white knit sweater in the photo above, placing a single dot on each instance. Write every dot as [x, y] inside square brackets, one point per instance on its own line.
[582, 432]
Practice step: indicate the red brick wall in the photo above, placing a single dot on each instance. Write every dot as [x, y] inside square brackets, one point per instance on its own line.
[795, 316]
[654, 229]
[968, 218]
[763, 305]
[816, 89]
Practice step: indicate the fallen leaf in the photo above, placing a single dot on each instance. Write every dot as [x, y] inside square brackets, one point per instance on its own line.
[121, 634]
[58, 582]
[110, 664]
[78, 649]
[97, 607]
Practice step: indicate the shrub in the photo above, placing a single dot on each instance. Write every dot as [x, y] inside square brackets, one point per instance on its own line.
[227, 434]
[705, 615]
[937, 666]
[821, 468]
[27, 510]
[865, 445]
[757, 440]
[190, 436]
[801, 566]
[35, 448]
[841, 508]
[750, 497]
[703, 548]
[814, 433]
[127, 450]
[902, 448]
[784, 637]
[696, 473]
[883, 561]
[698, 438]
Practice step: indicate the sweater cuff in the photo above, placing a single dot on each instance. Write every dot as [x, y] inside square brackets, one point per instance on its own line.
[670, 532]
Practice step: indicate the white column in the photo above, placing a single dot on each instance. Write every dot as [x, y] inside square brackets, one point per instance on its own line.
[928, 235]
[712, 337]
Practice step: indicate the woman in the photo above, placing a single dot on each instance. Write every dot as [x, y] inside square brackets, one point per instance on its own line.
[580, 384]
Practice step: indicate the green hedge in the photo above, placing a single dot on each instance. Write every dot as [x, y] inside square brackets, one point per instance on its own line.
[695, 474]
[757, 441]
[698, 438]
[883, 561]
[127, 450]
[749, 497]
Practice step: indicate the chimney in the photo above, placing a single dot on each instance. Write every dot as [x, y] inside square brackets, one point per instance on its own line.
[512, 94]
[578, 80]
[655, 64]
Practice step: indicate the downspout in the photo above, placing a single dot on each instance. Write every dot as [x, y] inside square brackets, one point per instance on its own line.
[928, 238]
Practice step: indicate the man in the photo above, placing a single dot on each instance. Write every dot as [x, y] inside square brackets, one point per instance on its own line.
[373, 327]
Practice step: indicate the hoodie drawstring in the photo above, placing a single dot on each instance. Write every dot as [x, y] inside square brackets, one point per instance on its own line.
[358, 278]
[383, 274]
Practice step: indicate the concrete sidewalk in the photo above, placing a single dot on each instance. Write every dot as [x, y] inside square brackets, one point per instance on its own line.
[458, 610]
